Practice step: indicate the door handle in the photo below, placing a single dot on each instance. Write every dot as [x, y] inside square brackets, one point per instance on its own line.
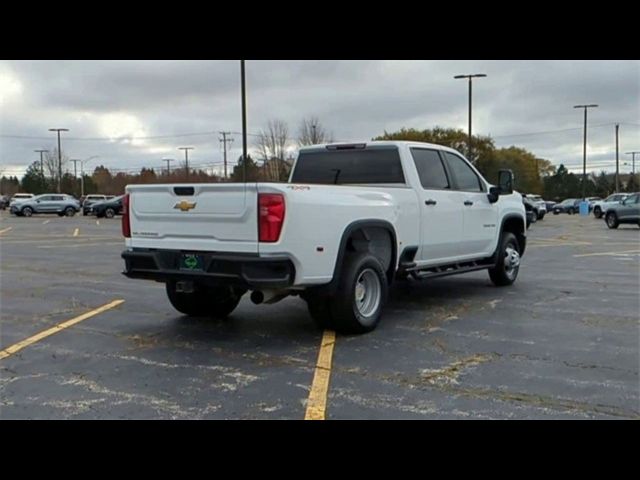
[468, 203]
[430, 202]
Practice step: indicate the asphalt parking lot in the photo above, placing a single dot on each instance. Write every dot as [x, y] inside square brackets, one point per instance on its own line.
[563, 342]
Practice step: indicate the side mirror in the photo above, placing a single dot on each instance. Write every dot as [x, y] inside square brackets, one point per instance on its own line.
[505, 182]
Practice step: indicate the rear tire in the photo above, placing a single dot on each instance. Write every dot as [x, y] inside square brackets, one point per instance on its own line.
[508, 264]
[215, 302]
[319, 310]
[597, 212]
[109, 213]
[363, 289]
[541, 215]
[612, 220]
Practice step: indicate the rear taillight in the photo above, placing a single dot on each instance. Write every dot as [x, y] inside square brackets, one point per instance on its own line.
[270, 216]
[126, 223]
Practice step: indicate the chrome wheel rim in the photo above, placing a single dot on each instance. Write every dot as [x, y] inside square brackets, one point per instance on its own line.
[367, 293]
[511, 261]
[610, 220]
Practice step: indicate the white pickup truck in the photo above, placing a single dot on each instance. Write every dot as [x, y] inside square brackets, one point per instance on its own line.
[351, 219]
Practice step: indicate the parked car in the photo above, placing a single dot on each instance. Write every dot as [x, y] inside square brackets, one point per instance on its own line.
[628, 211]
[88, 200]
[549, 205]
[531, 209]
[540, 204]
[20, 197]
[570, 206]
[601, 207]
[337, 234]
[48, 203]
[108, 208]
[4, 202]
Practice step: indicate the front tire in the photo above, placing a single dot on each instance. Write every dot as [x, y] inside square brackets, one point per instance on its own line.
[597, 212]
[109, 213]
[69, 212]
[214, 302]
[27, 211]
[363, 289]
[612, 220]
[508, 265]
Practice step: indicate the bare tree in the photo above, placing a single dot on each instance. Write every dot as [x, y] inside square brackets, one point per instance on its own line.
[271, 144]
[312, 132]
[51, 164]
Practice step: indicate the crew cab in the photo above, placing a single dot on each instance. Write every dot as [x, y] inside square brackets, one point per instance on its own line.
[352, 219]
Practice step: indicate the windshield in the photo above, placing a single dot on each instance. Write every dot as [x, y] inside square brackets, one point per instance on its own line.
[354, 166]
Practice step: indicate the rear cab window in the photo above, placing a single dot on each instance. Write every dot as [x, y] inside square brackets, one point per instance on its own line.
[353, 166]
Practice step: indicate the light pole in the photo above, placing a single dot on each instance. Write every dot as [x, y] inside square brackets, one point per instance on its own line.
[633, 161]
[244, 121]
[470, 77]
[584, 148]
[82, 162]
[75, 170]
[186, 158]
[59, 156]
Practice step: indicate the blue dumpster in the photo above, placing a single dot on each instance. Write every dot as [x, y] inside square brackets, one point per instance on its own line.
[584, 208]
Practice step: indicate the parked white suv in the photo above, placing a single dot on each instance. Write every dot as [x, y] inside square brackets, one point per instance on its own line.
[351, 219]
[600, 207]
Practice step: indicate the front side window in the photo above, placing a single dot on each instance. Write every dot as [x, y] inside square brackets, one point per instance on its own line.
[430, 168]
[466, 178]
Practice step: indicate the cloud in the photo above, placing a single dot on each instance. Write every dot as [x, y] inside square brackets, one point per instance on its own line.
[355, 100]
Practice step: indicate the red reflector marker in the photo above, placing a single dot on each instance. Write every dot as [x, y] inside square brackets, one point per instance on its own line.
[271, 210]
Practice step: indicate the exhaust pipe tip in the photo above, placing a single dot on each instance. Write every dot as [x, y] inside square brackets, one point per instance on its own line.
[257, 297]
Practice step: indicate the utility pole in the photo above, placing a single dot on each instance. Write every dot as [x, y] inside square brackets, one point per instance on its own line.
[224, 141]
[633, 161]
[168, 160]
[617, 159]
[584, 148]
[59, 156]
[41, 166]
[244, 121]
[186, 158]
[470, 77]
[75, 168]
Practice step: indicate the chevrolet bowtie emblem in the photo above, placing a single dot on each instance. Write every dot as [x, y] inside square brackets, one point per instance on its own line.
[184, 206]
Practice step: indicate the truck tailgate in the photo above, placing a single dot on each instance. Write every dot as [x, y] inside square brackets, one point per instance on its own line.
[220, 217]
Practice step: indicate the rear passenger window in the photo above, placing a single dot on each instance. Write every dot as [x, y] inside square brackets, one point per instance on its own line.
[430, 168]
[466, 178]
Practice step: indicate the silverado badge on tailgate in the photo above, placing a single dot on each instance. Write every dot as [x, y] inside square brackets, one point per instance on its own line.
[184, 205]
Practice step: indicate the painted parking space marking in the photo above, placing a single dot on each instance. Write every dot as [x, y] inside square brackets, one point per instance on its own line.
[16, 347]
[76, 232]
[5, 230]
[624, 252]
[317, 401]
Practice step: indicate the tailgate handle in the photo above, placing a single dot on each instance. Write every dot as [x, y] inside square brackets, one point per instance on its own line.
[185, 191]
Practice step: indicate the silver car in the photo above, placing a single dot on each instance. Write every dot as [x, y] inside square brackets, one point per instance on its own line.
[48, 203]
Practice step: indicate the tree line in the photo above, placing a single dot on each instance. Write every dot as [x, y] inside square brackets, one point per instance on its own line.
[272, 161]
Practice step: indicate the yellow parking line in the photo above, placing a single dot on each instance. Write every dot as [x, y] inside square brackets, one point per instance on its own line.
[5, 230]
[76, 232]
[55, 329]
[317, 401]
[605, 253]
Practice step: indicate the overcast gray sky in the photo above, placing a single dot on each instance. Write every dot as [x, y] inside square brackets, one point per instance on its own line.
[106, 103]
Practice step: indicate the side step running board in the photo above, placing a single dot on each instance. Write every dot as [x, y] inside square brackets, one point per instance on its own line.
[445, 270]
